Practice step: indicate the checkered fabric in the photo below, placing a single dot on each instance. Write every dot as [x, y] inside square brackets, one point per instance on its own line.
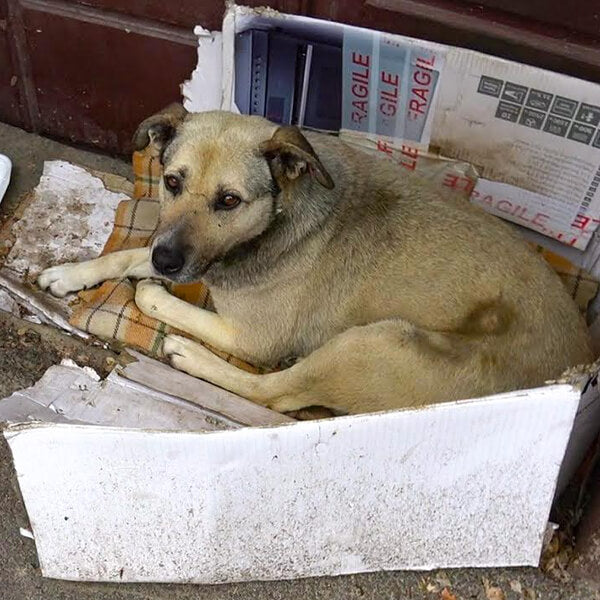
[579, 283]
[109, 311]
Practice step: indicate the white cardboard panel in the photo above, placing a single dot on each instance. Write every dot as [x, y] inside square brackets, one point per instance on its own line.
[70, 393]
[42, 239]
[457, 484]
[87, 211]
[555, 156]
[215, 402]
[203, 90]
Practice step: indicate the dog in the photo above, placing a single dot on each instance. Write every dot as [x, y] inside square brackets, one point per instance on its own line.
[389, 294]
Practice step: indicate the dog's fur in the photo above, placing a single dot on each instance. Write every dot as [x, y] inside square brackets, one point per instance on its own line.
[392, 295]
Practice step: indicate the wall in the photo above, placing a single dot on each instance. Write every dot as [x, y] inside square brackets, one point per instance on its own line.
[88, 71]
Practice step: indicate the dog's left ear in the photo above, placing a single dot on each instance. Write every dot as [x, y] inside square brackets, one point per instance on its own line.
[159, 128]
[290, 155]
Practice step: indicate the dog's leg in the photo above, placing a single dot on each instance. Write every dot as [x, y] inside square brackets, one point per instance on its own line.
[155, 301]
[374, 367]
[72, 277]
[195, 359]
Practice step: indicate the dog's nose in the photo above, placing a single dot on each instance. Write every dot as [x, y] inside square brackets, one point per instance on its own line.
[168, 260]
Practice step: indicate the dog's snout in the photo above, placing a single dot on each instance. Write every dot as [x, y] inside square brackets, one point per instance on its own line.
[168, 260]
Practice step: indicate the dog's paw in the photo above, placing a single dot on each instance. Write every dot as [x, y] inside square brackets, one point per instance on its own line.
[289, 404]
[62, 279]
[177, 345]
[148, 296]
[188, 356]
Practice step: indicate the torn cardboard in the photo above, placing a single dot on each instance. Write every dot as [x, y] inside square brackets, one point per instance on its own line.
[460, 484]
[202, 92]
[68, 218]
[70, 394]
[533, 131]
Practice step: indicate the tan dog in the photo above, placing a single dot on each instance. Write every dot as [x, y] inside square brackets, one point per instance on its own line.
[393, 295]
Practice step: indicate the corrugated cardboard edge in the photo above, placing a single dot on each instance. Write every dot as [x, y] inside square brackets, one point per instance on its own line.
[376, 492]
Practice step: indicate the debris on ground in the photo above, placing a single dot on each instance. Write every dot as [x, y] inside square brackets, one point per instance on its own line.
[492, 592]
[447, 595]
[35, 237]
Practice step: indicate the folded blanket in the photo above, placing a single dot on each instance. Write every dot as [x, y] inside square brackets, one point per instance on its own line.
[109, 311]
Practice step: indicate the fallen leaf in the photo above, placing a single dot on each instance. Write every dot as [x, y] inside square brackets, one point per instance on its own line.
[428, 587]
[516, 586]
[492, 592]
[447, 595]
[529, 594]
[556, 555]
[442, 579]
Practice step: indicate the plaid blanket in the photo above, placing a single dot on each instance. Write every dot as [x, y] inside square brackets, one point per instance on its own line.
[579, 283]
[109, 311]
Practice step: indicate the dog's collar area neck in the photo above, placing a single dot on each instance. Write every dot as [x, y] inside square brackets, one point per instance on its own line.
[274, 188]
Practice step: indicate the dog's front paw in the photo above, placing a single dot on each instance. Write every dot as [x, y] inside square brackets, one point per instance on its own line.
[62, 279]
[188, 356]
[148, 296]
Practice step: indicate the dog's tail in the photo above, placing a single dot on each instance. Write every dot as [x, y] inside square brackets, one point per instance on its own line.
[493, 317]
[484, 323]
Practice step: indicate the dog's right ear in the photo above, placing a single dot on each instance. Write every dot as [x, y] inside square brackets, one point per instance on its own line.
[290, 155]
[159, 128]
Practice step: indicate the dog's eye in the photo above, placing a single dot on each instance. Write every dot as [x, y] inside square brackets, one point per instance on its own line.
[172, 183]
[227, 202]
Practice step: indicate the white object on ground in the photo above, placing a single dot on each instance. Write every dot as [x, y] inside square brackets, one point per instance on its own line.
[26, 533]
[459, 484]
[67, 393]
[70, 218]
[5, 169]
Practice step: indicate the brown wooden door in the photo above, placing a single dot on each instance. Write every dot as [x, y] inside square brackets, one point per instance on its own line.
[89, 71]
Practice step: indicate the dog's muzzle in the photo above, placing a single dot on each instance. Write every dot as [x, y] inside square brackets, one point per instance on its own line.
[168, 260]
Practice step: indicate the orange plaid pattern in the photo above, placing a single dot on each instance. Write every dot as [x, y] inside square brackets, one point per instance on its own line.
[109, 311]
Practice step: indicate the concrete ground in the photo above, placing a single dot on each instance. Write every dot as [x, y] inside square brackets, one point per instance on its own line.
[26, 350]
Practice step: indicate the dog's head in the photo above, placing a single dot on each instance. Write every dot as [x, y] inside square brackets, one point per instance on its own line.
[224, 177]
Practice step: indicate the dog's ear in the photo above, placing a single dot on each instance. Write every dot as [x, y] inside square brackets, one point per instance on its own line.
[290, 155]
[159, 128]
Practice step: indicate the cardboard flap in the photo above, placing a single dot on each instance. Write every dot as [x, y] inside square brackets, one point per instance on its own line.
[453, 485]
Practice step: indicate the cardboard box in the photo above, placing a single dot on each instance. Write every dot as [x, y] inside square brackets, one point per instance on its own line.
[461, 484]
[532, 135]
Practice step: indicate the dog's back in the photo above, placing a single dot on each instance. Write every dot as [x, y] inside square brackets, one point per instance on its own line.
[400, 250]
